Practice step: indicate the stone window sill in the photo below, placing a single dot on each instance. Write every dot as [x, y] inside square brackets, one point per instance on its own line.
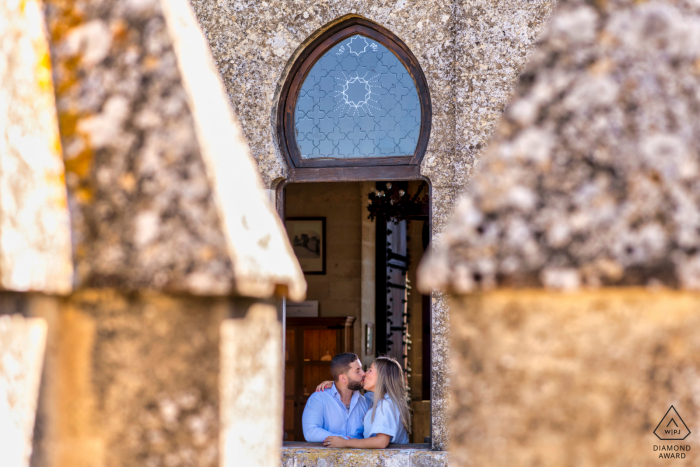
[393, 447]
[397, 455]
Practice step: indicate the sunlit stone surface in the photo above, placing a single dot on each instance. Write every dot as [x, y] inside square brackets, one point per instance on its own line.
[35, 249]
[163, 192]
[22, 343]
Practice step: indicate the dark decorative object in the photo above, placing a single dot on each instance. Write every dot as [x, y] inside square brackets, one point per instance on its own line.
[393, 204]
[397, 288]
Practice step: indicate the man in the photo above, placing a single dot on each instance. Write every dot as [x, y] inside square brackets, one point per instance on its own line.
[340, 410]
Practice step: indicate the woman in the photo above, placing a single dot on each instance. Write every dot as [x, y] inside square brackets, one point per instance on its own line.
[389, 418]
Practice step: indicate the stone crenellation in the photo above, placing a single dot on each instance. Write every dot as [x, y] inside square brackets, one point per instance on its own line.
[176, 250]
[141, 207]
[571, 260]
[591, 179]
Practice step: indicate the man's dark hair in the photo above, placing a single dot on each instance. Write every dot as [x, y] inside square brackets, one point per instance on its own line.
[341, 364]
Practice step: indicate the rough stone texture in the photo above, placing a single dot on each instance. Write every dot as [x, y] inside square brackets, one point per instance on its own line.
[429, 459]
[251, 407]
[162, 189]
[552, 379]
[494, 39]
[440, 371]
[35, 249]
[288, 457]
[134, 381]
[164, 195]
[471, 52]
[592, 178]
[22, 343]
[324, 457]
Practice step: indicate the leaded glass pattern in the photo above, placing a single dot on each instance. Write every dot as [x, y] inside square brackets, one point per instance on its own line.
[358, 100]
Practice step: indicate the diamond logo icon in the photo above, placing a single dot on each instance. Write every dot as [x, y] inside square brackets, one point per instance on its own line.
[672, 427]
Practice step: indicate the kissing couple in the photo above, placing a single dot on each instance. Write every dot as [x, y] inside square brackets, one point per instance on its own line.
[340, 417]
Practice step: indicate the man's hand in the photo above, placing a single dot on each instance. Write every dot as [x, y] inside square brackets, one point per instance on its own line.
[335, 442]
[324, 385]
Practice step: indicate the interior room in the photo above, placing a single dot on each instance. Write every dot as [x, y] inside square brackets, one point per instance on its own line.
[359, 244]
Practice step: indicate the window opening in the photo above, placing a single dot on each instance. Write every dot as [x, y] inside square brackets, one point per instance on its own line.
[342, 316]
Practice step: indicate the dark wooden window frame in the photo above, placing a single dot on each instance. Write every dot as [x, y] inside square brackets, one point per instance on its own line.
[371, 168]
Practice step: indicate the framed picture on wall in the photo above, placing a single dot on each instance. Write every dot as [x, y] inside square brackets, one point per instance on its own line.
[308, 238]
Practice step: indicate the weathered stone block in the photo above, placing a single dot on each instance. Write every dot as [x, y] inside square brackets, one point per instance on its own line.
[429, 459]
[325, 457]
[288, 458]
[134, 381]
[22, 344]
[35, 248]
[590, 178]
[541, 378]
[164, 193]
[351, 458]
[251, 388]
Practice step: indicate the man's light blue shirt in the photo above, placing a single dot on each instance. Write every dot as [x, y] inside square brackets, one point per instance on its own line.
[325, 415]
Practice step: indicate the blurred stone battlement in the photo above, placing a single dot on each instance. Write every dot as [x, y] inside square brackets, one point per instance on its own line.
[153, 269]
[591, 178]
[572, 258]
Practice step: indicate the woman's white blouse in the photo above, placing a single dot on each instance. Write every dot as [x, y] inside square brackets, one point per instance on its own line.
[387, 420]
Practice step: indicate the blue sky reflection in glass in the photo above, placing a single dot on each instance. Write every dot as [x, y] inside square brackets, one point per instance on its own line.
[358, 100]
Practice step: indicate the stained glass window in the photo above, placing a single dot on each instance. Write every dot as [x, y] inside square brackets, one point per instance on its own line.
[357, 101]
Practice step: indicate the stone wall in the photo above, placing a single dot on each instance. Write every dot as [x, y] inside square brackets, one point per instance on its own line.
[471, 52]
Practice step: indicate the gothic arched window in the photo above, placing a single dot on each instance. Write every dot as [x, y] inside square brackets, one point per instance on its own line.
[356, 97]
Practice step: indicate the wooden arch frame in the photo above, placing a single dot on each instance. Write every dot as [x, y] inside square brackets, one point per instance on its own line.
[372, 168]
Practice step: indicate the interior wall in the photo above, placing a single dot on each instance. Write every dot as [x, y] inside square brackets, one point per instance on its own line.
[339, 290]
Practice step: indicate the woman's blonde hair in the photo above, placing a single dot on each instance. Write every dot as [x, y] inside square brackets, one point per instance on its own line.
[391, 381]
